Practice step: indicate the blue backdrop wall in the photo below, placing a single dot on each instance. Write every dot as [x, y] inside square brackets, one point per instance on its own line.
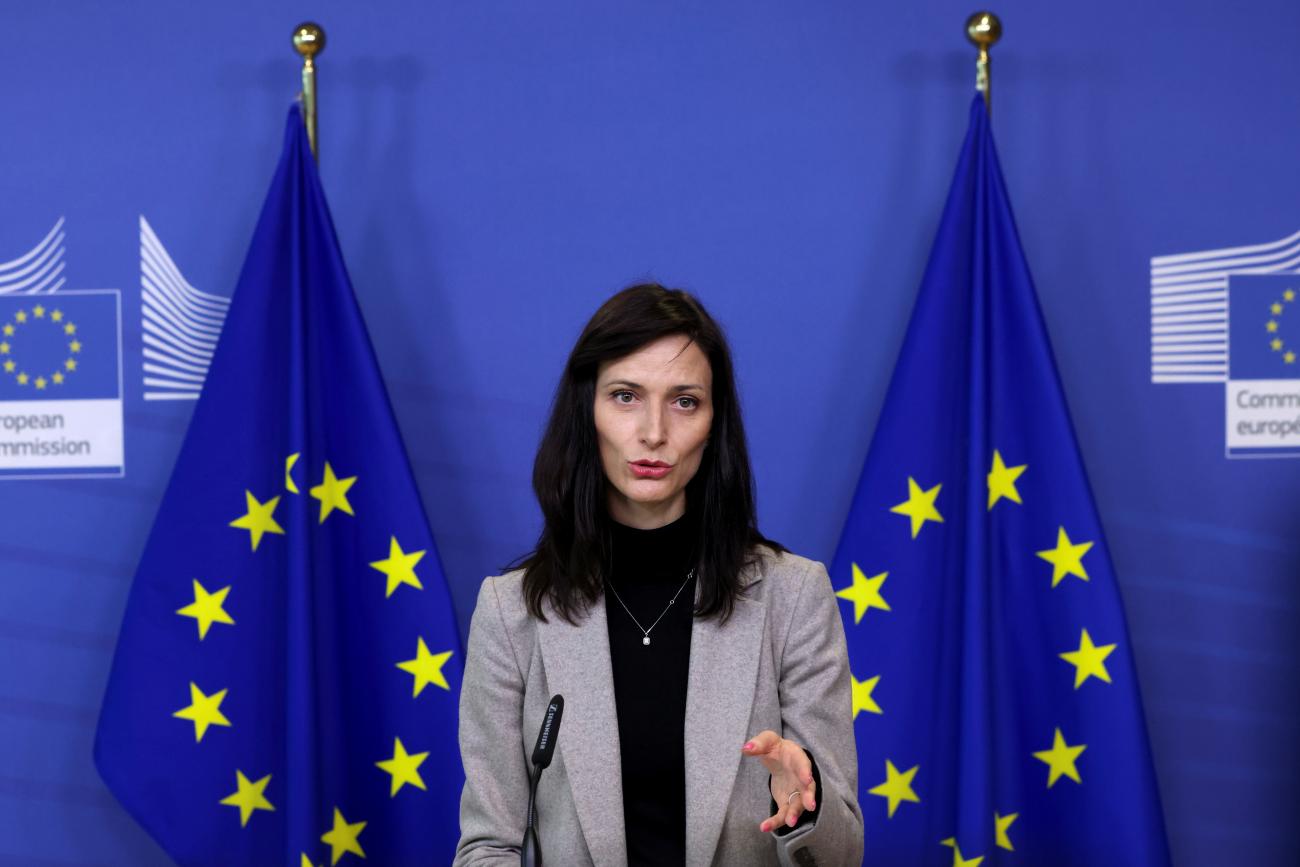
[496, 169]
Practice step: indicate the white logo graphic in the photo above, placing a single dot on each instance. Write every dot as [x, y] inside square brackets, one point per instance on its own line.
[1233, 316]
[181, 324]
[60, 371]
[1189, 306]
[38, 272]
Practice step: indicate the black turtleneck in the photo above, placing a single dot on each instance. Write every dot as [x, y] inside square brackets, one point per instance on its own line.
[649, 566]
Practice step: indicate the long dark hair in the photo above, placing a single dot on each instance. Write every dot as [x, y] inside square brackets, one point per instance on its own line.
[569, 565]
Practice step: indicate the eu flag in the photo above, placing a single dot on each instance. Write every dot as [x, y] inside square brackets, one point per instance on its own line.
[285, 685]
[995, 702]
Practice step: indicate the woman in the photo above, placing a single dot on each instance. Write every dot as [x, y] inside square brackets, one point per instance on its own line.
[718, 732]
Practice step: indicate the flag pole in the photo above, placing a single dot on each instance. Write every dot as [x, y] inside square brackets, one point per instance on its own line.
[984, 29]
[309, 40]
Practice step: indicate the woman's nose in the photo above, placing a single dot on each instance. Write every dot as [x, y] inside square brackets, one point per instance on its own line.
[654, 429]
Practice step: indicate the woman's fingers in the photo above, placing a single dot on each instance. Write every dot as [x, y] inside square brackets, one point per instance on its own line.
[772, 821]
[762, 743]
[790, 804]
[793, 786]
[809, 786]
[786, 814]
[810, 795]
[794, 811]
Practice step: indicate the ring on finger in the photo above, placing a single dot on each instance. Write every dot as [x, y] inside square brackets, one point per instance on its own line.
[791, 795]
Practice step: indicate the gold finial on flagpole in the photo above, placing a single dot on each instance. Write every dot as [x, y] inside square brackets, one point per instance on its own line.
[984, 29]
[309, 40]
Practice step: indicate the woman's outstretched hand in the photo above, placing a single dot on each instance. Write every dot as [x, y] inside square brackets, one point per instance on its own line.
[791, 773]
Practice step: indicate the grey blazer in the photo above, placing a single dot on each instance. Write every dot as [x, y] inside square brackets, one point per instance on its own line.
[779, 663]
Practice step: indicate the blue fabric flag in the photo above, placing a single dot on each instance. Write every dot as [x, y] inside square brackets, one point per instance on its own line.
[286, 680]
[994, 695]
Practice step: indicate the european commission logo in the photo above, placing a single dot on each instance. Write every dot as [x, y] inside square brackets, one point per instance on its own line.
[60, 385]
[61, 364]
[1232, 316]
[60, 371]
[1263, 392]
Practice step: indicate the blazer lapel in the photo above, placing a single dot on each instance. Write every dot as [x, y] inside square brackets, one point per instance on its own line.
[720, 697]
[578, 668]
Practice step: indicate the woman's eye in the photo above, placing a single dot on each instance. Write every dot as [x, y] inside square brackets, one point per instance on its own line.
[623, 397]
[687, 402]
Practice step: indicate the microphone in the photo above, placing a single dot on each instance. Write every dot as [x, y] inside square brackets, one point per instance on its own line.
[531, 851]
[549, 732]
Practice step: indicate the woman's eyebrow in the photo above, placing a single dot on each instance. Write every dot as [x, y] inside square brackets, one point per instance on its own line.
[627, 383]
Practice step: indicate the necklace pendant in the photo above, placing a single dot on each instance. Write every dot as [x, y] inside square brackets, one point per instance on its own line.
[646, 640]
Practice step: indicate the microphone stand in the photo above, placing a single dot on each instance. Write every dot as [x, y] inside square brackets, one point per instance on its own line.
[531, 855]
[530, 851]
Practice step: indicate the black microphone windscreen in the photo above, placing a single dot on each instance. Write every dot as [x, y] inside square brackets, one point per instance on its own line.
[550, 730]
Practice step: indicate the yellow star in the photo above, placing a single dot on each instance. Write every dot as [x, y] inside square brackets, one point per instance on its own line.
[1275, 308]
[22, 379]
[399, 567]
[1066, 558]
[1089, 660]
[39, 311]
[1002, 480]
[403, 767]
[1001, 824]
[862, 699]
[864, 593]
[305, 862]
[1276, 344]
[74, 346]
[333, 493]
[41, 382]
[1271, 326]
[4, 348]
[259, 520]
[957, 860]
[343, 837]
[8, 330]
[248, 797]
[1060, 760]
[1289, 358]
[203, 711]
[57, 315]
[206, 608]
[21, 316]
[896, 787]
[69, 329]
[427, 668]
[9, 366]
[70, 364]
[57, 377]
[289, 484]
[1288, 295]
[919, 505]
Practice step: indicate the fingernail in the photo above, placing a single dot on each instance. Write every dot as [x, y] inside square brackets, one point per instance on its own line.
[763, 827]
[790, 821]
[748, 746]
[814, 806]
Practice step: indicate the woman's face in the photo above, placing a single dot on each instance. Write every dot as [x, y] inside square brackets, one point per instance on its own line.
[653, 413]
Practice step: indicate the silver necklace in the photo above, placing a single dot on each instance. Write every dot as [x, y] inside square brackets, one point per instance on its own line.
[645, 633]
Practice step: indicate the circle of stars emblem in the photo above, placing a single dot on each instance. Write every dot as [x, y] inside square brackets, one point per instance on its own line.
[13, 332]
[1275, 341]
